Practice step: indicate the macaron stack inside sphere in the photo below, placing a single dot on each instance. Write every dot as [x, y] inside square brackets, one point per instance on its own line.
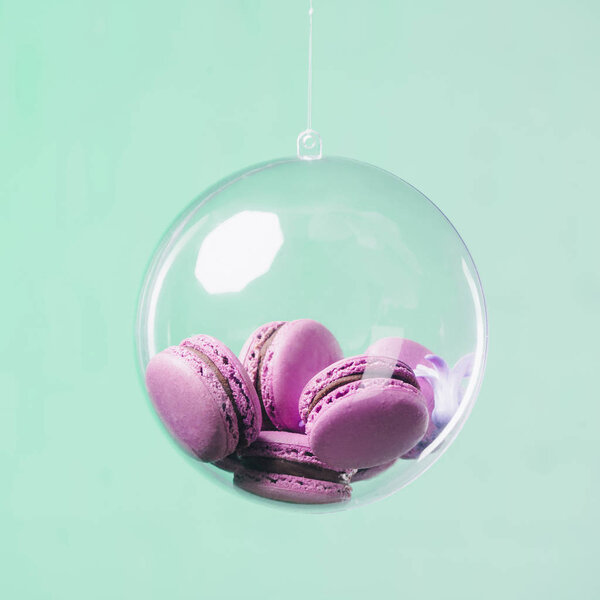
[292, 419]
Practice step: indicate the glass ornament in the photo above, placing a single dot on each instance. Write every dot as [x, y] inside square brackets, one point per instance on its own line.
[335, 240]
[362, 252]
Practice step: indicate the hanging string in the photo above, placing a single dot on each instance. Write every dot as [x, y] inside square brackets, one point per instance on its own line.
[310, 36]
[309, 145]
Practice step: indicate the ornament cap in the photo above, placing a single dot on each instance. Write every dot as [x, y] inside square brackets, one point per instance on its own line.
[309, 145]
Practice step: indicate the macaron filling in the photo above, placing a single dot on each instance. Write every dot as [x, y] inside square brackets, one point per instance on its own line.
[226, 388]
[281, 466]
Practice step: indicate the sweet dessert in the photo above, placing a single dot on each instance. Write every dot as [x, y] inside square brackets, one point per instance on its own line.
[363, 411]
[204, 397]
[281, 466]
[280, 358]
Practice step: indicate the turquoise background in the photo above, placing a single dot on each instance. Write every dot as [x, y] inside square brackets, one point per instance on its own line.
[115, 115]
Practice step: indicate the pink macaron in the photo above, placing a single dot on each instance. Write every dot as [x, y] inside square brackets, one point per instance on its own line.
[204, 397]
[252, 355]
[363, 411]
[280, 358]
[281, 466]
[413, 354]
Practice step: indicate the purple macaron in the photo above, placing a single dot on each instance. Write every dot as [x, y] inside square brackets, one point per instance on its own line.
[204, 397]
[281, 466]
[413, 354]
[363, 411]
[252, 355]
[280, 358]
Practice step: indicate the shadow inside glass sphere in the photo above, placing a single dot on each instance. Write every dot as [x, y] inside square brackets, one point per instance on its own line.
[338, 241]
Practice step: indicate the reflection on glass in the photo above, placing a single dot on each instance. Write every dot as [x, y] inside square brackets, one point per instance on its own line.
[238, 251]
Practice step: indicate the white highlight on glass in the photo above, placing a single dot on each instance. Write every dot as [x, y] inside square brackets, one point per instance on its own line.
[238, 251]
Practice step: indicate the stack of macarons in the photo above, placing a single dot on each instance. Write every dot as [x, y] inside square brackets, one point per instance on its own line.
[291, 418]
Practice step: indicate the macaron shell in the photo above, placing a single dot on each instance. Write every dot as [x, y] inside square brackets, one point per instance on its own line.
[242, 389]
[287, 488]
[368, 366]
[250, 353]
[367, 423]
[413, 354]
[299, 350]
[284, 445]
[410, 352]
[250, 357]
[189, 408]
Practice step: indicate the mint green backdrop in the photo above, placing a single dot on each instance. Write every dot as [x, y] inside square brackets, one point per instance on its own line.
[114, 115]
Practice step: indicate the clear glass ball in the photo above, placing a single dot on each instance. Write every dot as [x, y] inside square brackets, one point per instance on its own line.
[338, 241]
